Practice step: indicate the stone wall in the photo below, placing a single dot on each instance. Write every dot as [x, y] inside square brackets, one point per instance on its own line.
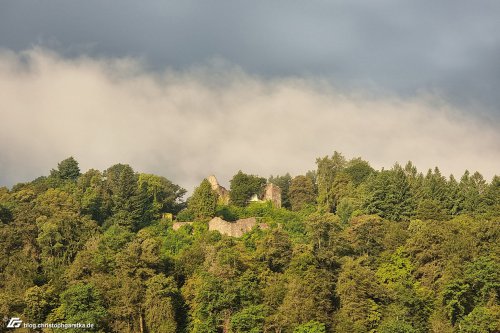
[234, 229]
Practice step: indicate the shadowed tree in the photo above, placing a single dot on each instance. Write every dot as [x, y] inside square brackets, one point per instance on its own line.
[301, 193]
[161, 302]
[283, 182]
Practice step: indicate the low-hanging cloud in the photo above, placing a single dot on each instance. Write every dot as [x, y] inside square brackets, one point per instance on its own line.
[216, 119]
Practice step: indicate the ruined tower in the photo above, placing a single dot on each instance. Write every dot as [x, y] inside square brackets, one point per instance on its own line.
[272, 193]
[221, 191]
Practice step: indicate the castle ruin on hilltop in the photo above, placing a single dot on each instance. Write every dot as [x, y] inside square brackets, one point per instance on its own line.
[237, 228]
[271, 193]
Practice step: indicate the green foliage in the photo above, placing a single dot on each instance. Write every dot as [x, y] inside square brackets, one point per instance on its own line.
[481, 320]
[347, 208]
[396, 326]
[62, 232]
[243, 186]
[66, 170]
[328, 168]
[211, 301]
[95, 248]
[323, 231]
[358, 170]
[480, 283]
[308, 294]
[492, 197]
[185, 215]
[121, 182]
[110, 243]
[310, 327]
[471, 193]
[161, 303]
[276, 250]
[366, 234]
[390, 195]
[284, 183]
[429, 209]
[412, 304]
[301, 193]
[229, 212]
[249, 319]
[80, 303]
[361, 297]
[38, 301]
[5, 214]
[203, 202]
[163, 195]
[90, 192]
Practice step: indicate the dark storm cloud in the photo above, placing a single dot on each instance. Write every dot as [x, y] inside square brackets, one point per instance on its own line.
[447, 47]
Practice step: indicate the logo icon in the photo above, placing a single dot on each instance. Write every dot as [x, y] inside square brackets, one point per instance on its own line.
[14, 322]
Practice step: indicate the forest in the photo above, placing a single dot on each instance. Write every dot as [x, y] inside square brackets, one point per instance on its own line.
[352, 249]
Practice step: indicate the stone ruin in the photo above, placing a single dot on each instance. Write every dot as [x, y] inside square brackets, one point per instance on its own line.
[238, 228]
[233, 229]
[221, 191]
[271, 193]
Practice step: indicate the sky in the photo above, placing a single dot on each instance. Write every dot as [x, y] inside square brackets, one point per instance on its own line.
[185, 89]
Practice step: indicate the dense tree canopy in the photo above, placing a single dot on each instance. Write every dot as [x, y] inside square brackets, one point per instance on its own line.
[301, 193]
[354, 250]
[243, 186]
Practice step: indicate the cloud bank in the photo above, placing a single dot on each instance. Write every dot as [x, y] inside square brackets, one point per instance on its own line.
[216, 119]
[403, 46]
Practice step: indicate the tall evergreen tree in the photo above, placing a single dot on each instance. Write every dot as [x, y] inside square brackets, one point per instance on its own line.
[472, 190]
[390, 195]
[492, 196]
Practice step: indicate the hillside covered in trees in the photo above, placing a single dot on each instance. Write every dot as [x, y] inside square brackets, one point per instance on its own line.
[352, 249]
